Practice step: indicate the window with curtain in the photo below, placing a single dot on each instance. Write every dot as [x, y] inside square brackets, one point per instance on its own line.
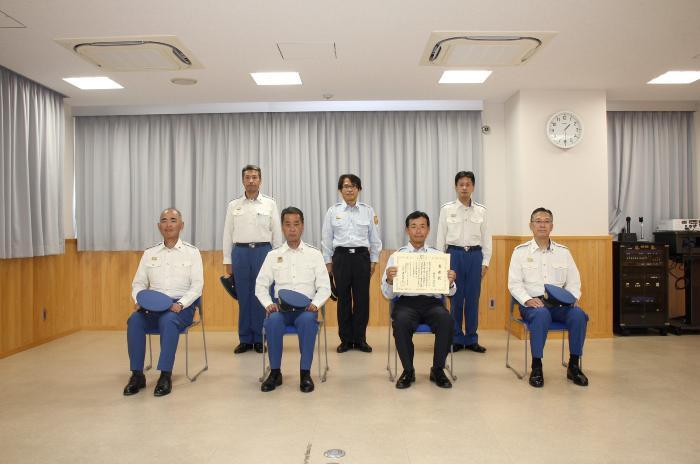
[650, 168]
[31, 160]
[129, 168]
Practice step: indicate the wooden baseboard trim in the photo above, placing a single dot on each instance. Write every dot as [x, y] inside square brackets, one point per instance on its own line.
[36, 343]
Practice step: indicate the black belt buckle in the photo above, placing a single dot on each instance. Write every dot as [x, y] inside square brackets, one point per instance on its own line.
[351, 251]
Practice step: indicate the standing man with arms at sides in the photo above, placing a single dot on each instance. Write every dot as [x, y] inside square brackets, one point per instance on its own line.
[463, 233]
[351, 245]
[299, 267]
[252, 227]
[172, 267]
[536, 263]
[411, 310]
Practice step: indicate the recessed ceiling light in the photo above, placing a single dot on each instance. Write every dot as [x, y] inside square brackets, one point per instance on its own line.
[276, 78]
[183, 81]
[464, 77]
[93, 83]
[676, 77]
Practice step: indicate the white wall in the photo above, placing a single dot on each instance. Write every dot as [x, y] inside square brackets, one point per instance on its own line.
[494, 146]
[572, 183]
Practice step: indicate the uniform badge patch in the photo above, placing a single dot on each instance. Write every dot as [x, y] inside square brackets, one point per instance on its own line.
[279, 259]
[376, 220]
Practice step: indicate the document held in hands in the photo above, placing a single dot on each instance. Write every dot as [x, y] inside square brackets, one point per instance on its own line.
[424, 273]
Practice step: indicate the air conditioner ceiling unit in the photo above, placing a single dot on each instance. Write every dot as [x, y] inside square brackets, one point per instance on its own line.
[134, 53]
[482, 49]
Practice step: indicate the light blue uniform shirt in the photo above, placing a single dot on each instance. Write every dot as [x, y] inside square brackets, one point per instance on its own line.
[350, 226]
[388, 290]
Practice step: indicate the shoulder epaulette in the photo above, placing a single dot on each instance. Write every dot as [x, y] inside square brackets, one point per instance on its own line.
[478, 204]
[311, 246]
[188, 244]
[522, 245]
[559, 245]
[433, 248]
[266, 196]
[236, 198]
[403, 248]
[448, 203]
[153, 246]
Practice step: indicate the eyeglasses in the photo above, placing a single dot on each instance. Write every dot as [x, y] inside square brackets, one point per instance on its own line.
[540, 222]
[349, 187]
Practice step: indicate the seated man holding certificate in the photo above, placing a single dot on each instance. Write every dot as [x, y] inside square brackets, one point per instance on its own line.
[299, 267]
[423, 304]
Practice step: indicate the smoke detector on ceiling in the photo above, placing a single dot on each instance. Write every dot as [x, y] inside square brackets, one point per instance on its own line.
[483, 49]
[145, 53]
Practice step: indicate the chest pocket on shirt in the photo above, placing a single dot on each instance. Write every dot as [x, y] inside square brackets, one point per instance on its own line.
[560, 271]
[454, 228]
[362, 226]
[305, 273]
[281, 273]
[531, 272]
[264, 218]
[474, 225]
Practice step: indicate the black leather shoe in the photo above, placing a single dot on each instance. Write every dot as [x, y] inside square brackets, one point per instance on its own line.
[272, 381]
[438, 376]
[343, 347]
[575, 374]
[457, 347]
[242, 348]
[306, 385]
[406, 379]
[536, 377]
[364, 347]
[136, 383]
[164, 386]
[476, 348]
[258, 347]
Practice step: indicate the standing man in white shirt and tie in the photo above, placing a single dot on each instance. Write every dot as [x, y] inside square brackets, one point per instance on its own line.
[172, 267]
[251, 230]
[351, 245]
[463, 233]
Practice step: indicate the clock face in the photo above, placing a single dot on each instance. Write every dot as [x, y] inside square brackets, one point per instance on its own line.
[564, 129]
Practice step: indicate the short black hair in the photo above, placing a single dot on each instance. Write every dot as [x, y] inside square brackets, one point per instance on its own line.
[462, 174]
[541, 209]
[354, 180]
[292, 210]
[251, 167]
[416, 215]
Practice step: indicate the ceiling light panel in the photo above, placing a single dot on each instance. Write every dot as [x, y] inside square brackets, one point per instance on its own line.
[676, 77]
[464, 77]
[276, 78]
[93, 83]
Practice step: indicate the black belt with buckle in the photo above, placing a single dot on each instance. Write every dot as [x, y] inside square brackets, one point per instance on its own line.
[467, 248]
[252, 244]
[351, 251]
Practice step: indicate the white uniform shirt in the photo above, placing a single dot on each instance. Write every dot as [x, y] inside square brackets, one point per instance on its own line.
[175, 271]
[531, 268]
[350, 226]
[251, 221]
[301, 269]
[464, 226]
[388, 289]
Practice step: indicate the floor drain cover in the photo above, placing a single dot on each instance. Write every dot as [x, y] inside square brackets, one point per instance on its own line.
[334, 453]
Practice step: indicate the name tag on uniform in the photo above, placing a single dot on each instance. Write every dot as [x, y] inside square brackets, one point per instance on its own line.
[339, 216]
[530, 260]
[154, 258]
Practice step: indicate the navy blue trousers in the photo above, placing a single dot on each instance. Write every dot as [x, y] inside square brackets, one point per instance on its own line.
[168, 324]
[539, 319]
[465, 302]
[307, 328]
[246, 265]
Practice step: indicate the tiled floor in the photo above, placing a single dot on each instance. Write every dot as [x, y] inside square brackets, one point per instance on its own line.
[62, 403]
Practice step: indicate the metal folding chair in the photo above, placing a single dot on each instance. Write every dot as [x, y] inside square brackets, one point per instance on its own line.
[421, 329]
[553, 327]
[291, 330]
[195, 322]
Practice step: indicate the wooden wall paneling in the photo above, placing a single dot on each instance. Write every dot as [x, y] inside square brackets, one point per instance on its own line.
[16, 314]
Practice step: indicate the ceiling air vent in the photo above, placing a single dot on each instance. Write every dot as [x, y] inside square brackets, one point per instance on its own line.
[158, 53]
[472, 49]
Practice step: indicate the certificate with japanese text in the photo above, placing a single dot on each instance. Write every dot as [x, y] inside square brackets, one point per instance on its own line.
[422, 273]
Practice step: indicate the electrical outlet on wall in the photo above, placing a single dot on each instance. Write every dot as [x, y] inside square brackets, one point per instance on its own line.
[43, 314]
[492, 303]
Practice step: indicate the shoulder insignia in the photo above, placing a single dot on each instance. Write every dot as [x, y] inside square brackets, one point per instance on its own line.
[403, 248]
[266, 196]
[559, 245]
[432, 248]
[311, 246]
[523, 245]
[448, 203]
[153, 246]
[479, 204]
[187, 244]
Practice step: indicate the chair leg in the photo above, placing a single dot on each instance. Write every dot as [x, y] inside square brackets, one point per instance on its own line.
[325, 346]
[187, 355]
[265, 350]
[517, 374]
[150, 355]
[563, 336]
[388, 353]
[318, 350]
[450, 368]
